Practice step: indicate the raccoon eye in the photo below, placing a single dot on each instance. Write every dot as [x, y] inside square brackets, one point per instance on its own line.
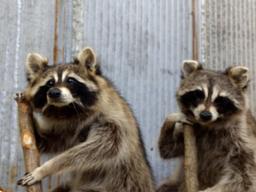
[192, 98]
[224, 105]
[71, 80]
[50, 83]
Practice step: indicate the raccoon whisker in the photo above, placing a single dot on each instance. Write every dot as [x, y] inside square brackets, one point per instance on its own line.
[77, 112]
[83, 106]
[44, 108]
[68, 104]
[187, 122]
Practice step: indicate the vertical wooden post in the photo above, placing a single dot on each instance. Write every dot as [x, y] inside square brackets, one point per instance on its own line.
[30, 151]
[190, 160]
[56, 31]
[195, 53]
[2, 190]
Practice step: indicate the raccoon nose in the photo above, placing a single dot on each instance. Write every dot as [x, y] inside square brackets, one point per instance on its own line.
[54, 93]
[205, 115]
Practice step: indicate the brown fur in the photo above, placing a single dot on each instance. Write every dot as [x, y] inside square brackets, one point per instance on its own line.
[100, 143]
[226, 145]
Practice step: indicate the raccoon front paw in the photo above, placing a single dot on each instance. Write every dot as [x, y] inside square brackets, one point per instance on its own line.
[177, 120]
[19, 97]
[30, 178]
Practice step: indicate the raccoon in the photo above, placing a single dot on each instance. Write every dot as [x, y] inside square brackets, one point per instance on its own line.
[80, 116]
[216, 104]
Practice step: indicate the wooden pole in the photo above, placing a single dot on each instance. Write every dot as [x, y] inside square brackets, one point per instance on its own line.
[190, 157]
[30, 151]
[2, 190]
[195, 53]
[56, 32]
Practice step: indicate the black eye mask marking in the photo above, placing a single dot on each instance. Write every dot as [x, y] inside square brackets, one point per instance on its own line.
[80, 90]
[71, 81]
[224, 105]
[40, 98]
[192, 98]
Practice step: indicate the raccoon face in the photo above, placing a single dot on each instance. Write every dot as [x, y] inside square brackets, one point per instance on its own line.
[65, 89]
[207, 96]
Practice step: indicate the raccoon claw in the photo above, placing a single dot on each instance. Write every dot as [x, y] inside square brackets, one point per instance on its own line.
[177, 121]
[19, 97]
[28, 179]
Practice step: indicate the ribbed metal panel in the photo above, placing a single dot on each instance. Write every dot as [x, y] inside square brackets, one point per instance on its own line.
[140, 45]
[26, 26]
[229, 36]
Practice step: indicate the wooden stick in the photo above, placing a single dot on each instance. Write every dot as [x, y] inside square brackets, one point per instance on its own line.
[30, 151]
[2, 190]
[190, 159]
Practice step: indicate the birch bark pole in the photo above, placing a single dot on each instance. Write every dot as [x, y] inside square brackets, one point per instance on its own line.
[30, 151]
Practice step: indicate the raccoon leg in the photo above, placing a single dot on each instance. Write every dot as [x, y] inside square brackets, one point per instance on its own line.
[99, 151]
[171, 141]
[62, 188]
[233, 182]
[87, 190]
[167, 187]
[173, 182]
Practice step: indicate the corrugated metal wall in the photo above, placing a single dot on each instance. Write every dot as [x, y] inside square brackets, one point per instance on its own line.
[228, 36]
[140, 45]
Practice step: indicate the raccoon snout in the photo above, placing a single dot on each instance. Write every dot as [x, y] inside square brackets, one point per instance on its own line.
[205, 116]
[54, 93]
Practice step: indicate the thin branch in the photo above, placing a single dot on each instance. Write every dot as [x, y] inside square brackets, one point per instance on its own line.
[190, 159]
[30, 151]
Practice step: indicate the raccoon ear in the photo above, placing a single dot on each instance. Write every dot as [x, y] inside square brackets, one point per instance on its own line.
[35, 64]
[239, 76]
[87, 58]
[189, 66]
